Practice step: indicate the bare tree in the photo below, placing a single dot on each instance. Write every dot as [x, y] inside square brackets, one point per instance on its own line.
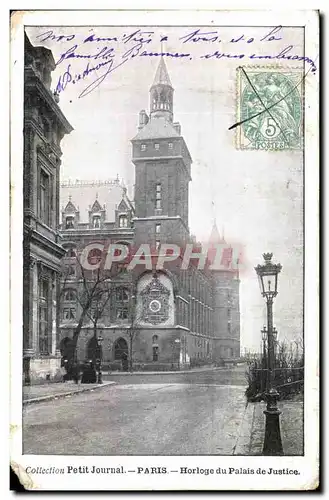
[92, 293]
[98, 301]
[132, 330]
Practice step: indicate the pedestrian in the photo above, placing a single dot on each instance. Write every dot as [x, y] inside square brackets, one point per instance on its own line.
[89, 373]
[124, 360]
[75, 372]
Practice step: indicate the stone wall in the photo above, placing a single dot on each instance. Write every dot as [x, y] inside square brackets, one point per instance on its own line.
[45, 370]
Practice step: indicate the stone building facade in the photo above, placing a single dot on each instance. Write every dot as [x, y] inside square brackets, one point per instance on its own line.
[44, 127]
[159, 319]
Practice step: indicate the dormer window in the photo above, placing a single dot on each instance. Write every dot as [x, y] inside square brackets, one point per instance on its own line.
[156, 146]
[96, 221]
[123, 221]
[69, 222]
[143, 147]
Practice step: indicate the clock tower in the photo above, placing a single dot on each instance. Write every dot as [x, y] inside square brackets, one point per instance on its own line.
[162, 169]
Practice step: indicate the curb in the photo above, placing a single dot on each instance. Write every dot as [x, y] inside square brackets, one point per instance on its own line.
[177, 372]
[243, 442]
[60, 395]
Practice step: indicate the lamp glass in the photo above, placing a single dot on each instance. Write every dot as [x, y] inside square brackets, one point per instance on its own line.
[269, 283]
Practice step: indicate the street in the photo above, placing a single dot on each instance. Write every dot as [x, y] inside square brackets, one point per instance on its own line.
[168, 414]
[230, 376]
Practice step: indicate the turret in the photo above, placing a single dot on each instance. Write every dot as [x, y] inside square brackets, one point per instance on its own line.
[161, 94]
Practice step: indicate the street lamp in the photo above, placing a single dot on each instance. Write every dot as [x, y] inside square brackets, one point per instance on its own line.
[99, 374]
[268, 280]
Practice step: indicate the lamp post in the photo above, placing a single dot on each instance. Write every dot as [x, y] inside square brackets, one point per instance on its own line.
[99, 374]
[275, 339]
[268, 280]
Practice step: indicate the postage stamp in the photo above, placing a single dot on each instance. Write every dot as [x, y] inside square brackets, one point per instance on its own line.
[269, 108]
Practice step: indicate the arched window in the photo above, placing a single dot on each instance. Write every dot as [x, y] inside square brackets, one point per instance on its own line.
[70, 295]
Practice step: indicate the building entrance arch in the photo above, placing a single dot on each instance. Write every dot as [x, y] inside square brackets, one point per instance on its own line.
[120, 349]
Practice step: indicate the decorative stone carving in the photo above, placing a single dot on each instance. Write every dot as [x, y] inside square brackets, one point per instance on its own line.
[155, 300]
[31, 262]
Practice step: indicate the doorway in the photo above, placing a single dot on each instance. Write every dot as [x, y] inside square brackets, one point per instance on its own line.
[120, 349]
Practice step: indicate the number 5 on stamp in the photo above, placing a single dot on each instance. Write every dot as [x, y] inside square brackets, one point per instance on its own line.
[269, 108]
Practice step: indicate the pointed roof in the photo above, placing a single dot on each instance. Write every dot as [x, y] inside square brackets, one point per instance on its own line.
[215, 236]
[84, 192]
[157, 128]
[123, 205]
[70, 207]
[96, 206]
[161, 75]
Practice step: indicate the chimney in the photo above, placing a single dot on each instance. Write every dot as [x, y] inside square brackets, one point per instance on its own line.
[177, 127]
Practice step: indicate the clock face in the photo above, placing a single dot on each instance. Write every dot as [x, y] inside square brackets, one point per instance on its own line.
[155, 305]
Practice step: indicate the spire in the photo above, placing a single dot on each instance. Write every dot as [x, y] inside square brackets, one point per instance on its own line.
[215, 236]
[161, 75]
[161, 94]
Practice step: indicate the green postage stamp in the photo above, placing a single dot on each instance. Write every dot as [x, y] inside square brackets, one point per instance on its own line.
[269, 108]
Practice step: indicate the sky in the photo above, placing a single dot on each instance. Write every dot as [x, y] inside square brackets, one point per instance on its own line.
[255, 196]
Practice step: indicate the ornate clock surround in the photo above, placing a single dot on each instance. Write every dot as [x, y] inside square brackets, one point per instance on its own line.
[155, 302]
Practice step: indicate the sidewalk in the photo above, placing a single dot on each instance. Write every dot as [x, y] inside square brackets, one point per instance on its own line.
[291, 424]
[45, 392]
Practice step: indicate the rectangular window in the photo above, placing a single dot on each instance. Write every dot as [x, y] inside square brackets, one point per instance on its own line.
[121, 295]
[123, 221]
[122, 313]
[158, 196]
[155, 353]
[69, 271]
[96, 222]
[44, 197]
[143, 147]
[69, 222]
[156, 146]
[43, 316]
[157, 228]
[69, 313]
[170, 145]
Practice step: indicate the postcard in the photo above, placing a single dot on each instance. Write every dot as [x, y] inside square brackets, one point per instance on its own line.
[164, 236]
